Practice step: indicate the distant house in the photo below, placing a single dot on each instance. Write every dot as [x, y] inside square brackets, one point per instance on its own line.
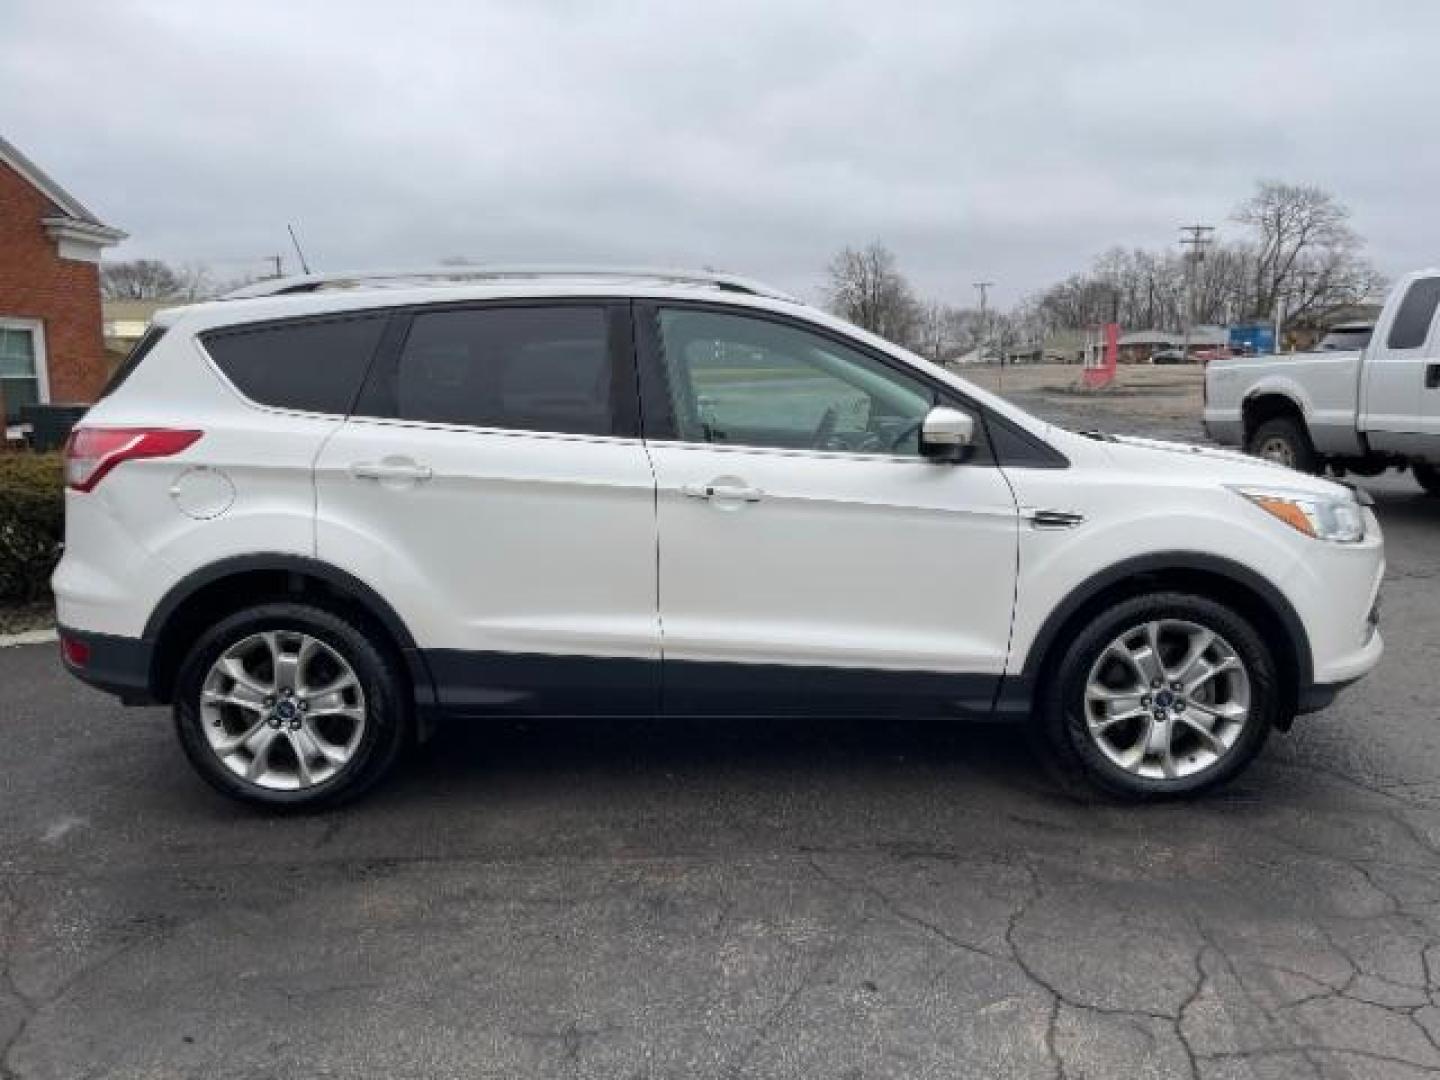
[50, 334]
[125, 322]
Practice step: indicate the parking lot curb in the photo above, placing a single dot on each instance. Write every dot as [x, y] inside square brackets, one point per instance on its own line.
[29, 637]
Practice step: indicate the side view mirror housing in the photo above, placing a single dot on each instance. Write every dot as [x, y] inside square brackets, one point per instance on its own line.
[946, 435]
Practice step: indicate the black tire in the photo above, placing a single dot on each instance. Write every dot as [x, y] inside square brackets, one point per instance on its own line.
[386, 699]
[1060, 718]
[1428, 477]
[1286, 441]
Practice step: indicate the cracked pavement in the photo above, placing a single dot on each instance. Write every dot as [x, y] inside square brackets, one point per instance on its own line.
[828, 898]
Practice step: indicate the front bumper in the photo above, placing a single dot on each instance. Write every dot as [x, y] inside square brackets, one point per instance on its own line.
[116, 665]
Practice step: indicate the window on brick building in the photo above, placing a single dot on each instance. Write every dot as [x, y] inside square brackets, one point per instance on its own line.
[22, 366]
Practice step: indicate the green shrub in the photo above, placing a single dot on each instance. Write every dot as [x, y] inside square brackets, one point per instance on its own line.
[32, 523]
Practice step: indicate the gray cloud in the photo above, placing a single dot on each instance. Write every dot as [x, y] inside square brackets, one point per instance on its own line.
[1007, 141]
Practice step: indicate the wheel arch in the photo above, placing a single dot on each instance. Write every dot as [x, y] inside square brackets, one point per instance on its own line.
[1271, 403]
[203, 596]
[1201, 574]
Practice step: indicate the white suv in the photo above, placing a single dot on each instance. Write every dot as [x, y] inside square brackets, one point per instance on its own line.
[319, 515]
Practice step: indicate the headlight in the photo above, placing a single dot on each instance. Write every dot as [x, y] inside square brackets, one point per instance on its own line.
[1339, 519]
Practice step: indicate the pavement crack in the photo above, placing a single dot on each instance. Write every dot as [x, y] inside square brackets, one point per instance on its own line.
[890, 905]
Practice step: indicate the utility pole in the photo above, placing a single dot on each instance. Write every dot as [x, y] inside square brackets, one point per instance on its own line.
[1197, 238]
[279, 261]
[984, 289]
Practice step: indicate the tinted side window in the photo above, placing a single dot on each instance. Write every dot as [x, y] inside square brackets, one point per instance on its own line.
[522, 368]
[1417, 311]
[315, 365]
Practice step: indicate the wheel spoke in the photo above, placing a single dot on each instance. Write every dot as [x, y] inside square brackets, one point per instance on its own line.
[1209, 738]
[237, 696]
[300, 745]
[229, 744]
[231, 667]
[1229, 710]
[1105, 723]
[260, 743]
[1146, 659]
[323, 747]
[1200, 643]
[287, 664]
[309, 649]
[332, 697]
[1205, 671]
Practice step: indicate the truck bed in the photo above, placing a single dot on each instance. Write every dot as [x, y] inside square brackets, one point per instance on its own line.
[1323, 385]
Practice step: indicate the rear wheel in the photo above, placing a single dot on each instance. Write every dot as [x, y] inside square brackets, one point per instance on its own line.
[1285, 442]
[290, 705]
[1161, 695]
[1428, 477]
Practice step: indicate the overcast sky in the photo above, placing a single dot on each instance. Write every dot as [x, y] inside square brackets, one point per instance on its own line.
[1001, 140]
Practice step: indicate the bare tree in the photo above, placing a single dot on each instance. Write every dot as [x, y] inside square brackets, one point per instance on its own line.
[1304, 250]
[867, 288]
[1300, 249]
[151, 279]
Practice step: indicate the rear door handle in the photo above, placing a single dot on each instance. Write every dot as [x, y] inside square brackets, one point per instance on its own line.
[391, 469]
[723, 492]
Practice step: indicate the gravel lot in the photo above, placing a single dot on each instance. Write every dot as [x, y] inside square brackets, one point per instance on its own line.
[827, 899]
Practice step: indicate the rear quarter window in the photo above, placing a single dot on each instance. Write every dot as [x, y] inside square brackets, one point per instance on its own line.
[314, 365]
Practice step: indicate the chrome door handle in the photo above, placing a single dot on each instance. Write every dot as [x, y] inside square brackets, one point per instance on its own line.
[727, 492]
[390, 470]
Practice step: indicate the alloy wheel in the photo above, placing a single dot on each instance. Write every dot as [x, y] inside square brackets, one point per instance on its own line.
[1167, 699]
[283, 710]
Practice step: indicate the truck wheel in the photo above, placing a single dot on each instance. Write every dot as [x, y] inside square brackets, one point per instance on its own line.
[1285, 442]
[1162, 695]
[1428, 477]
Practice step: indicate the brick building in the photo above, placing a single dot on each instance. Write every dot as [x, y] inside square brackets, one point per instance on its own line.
[51, 349]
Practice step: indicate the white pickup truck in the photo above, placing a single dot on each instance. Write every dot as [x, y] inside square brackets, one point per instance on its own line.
[1349, 411]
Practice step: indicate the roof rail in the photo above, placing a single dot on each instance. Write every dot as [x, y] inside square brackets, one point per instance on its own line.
[463, 275]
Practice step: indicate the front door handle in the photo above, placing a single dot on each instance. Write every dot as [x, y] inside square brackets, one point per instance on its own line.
[393, 469]
[722, 492]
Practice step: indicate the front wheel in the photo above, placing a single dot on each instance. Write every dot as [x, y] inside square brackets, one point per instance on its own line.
[1161, 695]
[1285, 442]
[290, 705]
[1428, 477]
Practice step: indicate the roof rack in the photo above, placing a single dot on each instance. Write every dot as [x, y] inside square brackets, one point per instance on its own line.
[464, 275]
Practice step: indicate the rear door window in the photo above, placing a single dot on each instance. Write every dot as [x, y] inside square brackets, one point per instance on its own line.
[1417, 311]
[542, 368]
[314, 365]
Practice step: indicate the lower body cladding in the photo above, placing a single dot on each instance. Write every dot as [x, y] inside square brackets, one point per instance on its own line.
[451, 682]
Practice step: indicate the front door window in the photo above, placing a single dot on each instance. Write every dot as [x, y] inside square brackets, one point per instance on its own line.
[743, 381]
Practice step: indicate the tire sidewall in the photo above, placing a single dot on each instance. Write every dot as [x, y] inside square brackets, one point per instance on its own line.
[1062, 713]
[386, 719]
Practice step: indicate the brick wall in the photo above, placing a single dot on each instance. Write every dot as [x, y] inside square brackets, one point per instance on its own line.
[35, 283]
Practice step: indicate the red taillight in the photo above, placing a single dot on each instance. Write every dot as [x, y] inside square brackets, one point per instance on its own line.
[91, 452]
[75, 651]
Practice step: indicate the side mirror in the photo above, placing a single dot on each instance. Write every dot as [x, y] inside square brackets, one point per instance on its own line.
[946, 435]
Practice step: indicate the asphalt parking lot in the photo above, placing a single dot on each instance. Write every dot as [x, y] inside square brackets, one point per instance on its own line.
[827, 899]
